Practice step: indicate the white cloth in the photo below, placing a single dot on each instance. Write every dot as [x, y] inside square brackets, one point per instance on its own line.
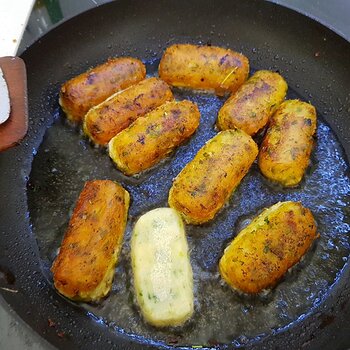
[14, 16]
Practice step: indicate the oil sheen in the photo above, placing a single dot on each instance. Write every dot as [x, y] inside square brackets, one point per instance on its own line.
[66, 160]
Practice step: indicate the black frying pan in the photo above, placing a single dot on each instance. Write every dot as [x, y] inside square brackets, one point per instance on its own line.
[41, 178]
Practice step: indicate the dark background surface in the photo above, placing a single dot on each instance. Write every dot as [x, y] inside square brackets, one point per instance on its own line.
[14, 334]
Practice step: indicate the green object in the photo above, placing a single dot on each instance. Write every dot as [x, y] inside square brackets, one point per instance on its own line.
[54, 10]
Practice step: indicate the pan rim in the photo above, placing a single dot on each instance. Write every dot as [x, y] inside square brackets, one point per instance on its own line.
[108, 4]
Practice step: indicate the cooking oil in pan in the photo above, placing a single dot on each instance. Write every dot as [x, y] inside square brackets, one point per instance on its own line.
[65, 161]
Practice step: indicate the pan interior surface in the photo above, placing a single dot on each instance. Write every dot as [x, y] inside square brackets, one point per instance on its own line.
[42, 177]
[65, 160]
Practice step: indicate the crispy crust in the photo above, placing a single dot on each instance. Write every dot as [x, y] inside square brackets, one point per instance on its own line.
[88, 89]
[204, 67]
[250, 108]
[84, 267]
[272, 243]
[285, 151]
[113, 115]
[152, 137]
[206, 183]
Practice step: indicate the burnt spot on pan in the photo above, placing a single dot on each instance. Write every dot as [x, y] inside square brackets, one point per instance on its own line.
[6, 276]
[65, 160]
[7, 280]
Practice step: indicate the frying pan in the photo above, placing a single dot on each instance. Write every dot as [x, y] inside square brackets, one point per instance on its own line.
[47, 171]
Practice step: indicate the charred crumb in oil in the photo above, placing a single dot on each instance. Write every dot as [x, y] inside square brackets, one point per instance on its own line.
[173, 340]
[326, 320]
[214, 342]
[61, 334]
[7, 275]
[51, 323]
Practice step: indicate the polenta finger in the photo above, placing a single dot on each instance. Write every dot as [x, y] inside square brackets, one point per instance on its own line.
[208, 68]
[206, 182]
[272, 243]
[253, 104]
